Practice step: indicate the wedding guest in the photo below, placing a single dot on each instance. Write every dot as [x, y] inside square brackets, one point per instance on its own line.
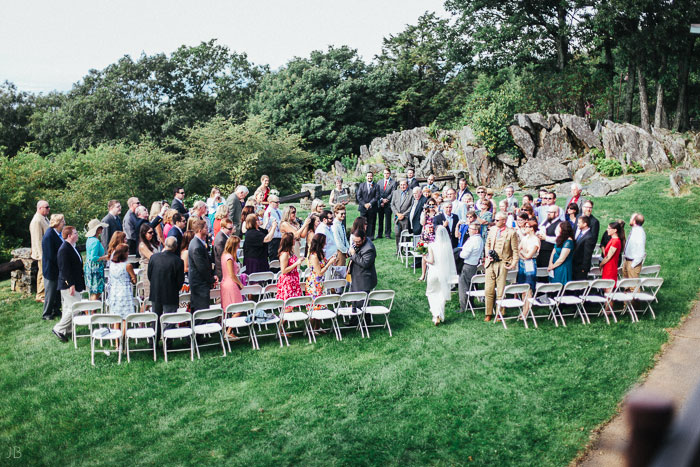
[471, 253]
[587, 210]
[147, 246]
[95, 260]
[255, 245]
[426, 192]
[50, 244]
[528, 248]
[463, 191]
[158, 208]
[572, 215]
[510, 218]
[130, 224]
[114, 223]
[168, 222]
[198, 212]
[290, 224]
[177, 229]
[410, 179]
[273, 213]
[288, 284]
[121, 279]
[367, 197]
[613, 250]
[547, 234]
[339, 235]
[576, 197]
[324, 228]
[185, 256]
[231, 284]
[504, 241]
[338, 192]
[583, 250]
[247, 210]
[213, 202]
[441, 268]
[166, 273]
[263, 190]
[236, 204]
[484, 216]
[560, 262]
[430, 184]
[317, 207]
[401, 202]
[363, 255]
[200, 276]
[119, 238]
[221, 213]
[386, 189]
[512, 202]
[219, 245]
[359, 224]
[635, 250]
[37, 228]
[319, 264]
[314, 222]
[177, 204]
[71, 281]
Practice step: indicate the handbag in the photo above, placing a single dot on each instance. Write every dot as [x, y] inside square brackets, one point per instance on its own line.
[348, 276]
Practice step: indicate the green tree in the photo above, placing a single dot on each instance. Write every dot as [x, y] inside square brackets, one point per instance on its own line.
[16, 109]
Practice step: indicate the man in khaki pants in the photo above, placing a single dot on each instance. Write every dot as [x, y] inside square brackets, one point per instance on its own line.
[37, 229]
[504, 241]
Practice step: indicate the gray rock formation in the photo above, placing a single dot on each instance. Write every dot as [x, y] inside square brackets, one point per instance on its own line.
[628, 143]
[523, 140]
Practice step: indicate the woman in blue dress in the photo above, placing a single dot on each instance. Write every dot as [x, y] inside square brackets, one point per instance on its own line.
[94, 260]
[560, 263]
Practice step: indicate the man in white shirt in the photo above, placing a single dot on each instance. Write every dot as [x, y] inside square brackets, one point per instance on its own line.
[511, 200]
[471, 253]
[324, 228]
[273, 213]
[339, 234]
[458, 207]
[635, 248]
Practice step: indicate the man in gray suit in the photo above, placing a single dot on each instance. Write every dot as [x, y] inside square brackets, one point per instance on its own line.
[235, 203]
[114, 223]
[362, 254]
[401, 201]
[130, 225]
[200, 276]
[219, 244]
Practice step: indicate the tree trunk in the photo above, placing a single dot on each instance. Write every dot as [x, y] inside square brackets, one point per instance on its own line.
[610, 72]
[562, 39]
[629, 98]
[660, 111]
[643, 100]
[680, 122]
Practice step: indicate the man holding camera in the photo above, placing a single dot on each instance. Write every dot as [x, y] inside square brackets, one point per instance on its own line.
[501, 256]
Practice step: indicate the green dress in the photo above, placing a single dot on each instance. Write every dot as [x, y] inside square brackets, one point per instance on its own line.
[562, 274]
[94, 268]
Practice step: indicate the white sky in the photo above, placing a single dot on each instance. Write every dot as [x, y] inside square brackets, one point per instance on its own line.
[50, 44]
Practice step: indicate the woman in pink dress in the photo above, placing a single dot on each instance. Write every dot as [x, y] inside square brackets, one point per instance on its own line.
[613, 251]
[230, 285]
[288, 283]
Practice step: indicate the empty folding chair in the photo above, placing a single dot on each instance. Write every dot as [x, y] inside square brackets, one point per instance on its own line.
[145, 329]
[140, 290]
[275, 264]
[270, 291]
[352, 305]
[215, 296]
[294, 311]
[575, 300]
[650, 271]
[82, 312]
[405, 242]
[648, 288]
[377, 306]
[267, 314]
[261, 278]
[511, 277]
[245, 320]
[476, 291]
[511, 299]
[167, 332]
[100, 330]
[622, 294]
[205, 323]
[595, 294]
[542, 273]
[542, 299]
[334, 286]
[252, 292]
[329, 304]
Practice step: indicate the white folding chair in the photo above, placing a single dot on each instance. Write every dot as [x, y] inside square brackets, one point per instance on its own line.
[207, 322]
[141, 331]
[140, 291]
[405, 242]
[330, 302]
[511, 277]
[594, 272]
[270, 291]
[348, 308]
[245, 309]
[595, 294]
[173, 319]
[334, 286]
[261, 278]
[100, 330]
[267, 313]
[648, 288]
[579, 288]
[381, 309]
[650, 271]
[621, 295]
[183, 301]
[252, 292]
[511, 299]
[292, 313]
[542, 272]
[541, 299]
[478, 280]
[215, 296]
[81, 312]
[275, 264]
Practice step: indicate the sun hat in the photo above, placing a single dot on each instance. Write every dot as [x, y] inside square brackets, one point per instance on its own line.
[93, 225]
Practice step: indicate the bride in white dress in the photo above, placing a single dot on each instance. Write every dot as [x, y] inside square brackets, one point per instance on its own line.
[441, 268]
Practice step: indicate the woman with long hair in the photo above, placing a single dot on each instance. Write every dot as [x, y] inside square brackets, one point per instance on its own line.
[428, 233]
[263, 190]
[290, 224]
[560, 262]
[319, 264]
[187, 237]
[117, 239]
[231, 284]
[247, 209]
[168, 222]
[255, 245]
[288, 284]
[147, 247]
[528, 248]
[572, 215]
[441, 268]
[613, 251]
[314, 221]
[121, 279]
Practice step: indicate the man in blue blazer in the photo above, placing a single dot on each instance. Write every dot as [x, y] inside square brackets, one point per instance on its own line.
[71, 281]
[50, 244]
[177, 230]
[416, 210]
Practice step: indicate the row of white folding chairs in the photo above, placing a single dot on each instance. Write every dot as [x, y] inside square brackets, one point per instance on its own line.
[653, 270]
[578, 294]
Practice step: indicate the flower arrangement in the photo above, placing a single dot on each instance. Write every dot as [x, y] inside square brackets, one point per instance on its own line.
[421, 248]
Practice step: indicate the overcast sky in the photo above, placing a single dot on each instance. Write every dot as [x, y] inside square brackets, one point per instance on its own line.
[49, 44]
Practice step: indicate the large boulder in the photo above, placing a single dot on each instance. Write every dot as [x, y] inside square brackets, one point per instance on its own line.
[508, 159]
[555, 144]
[581, 130]
[434, 163]
[522, 140]
[584, 174]
[601, 186]
[681, 177]
[673, 143]
[466, 137]
[533, 123]
[628, 143]
[540, 171]
[414, 141]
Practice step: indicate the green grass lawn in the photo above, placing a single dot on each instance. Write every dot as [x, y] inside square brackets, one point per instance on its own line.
[464, 392]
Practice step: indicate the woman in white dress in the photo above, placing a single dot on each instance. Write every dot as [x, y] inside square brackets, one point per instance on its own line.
[441, 268]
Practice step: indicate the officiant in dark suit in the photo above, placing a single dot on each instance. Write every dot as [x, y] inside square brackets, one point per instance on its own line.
[367, 197]
[386, 189]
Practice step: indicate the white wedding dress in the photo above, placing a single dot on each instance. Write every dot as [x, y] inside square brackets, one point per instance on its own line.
[439, 273]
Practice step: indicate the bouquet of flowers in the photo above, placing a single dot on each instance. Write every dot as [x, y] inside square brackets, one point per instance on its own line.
[421, 248]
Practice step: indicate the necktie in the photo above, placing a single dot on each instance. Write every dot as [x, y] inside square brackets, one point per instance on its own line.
[385, 180]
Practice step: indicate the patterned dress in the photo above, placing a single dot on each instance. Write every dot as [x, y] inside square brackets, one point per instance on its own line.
[288, 285]
[428, 233]
[120, 299]
[94, 268]
[314, 286]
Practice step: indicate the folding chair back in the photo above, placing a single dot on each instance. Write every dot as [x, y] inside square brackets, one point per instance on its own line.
[262, 278]
[632, 283]
[206, 314]
[596, 294]
[575, 286]
[511, 300]
[511, 277]
[275, 264]
[298, 302]
[172, 319]
[294, 311]
[332, 300]
[140, 290]
[251, 291]
[648, 288]
[143, 331]
[141, 318]
[594, 272]
[347, 301]
[175, 318]
[81, 316]
[215, 295]
[650, 271]
[184, 299]
[330, 285]
[542, 272]
[270, 291]
[207, 322]
[624, 293]
[270, 305]
[373, 309]
[243, 321]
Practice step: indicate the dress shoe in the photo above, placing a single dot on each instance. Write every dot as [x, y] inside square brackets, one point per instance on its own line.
[488, 318]
[47, 318]
[379, 236]
[62, 337]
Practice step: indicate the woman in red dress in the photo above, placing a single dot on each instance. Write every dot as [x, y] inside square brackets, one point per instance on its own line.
[613, 251]
[288, 285]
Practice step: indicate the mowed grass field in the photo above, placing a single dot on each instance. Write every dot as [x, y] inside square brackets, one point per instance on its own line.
[466, 392]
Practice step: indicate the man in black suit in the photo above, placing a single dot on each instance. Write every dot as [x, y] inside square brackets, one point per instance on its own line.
[547, 235]
[401, 201]
[220, 242]
[587, 210]
[411, 180]
[364, 274]
[463, 190]
[71, 281]
[448, 220]
[416, 210]
[177, 229]
[199, 274]
[50, 244]
[166, 272]
[386, 189]
[367, 197]
[177, 204]
[114, 223]
[583, 250]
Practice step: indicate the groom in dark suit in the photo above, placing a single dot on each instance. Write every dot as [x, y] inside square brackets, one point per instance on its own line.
[367, 197]
[583, 250]
[199, 274]
[386, 189]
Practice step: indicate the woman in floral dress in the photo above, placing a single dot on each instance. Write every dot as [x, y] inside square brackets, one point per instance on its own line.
[288, 285]
[319, 264]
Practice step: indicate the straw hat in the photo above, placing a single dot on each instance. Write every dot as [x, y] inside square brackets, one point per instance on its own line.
[93, 225]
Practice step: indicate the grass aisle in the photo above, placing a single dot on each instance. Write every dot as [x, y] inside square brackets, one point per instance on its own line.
[465, 391]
